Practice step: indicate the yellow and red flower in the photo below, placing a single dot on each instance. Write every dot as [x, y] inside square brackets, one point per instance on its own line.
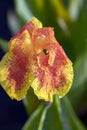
[35, 59]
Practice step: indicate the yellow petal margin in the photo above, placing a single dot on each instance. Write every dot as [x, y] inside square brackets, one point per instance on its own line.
[54, 74]
[47, 92]
[35, 59]
[16, 71]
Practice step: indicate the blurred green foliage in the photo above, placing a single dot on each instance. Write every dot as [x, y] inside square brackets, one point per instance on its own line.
[69, 19]
[3, 45]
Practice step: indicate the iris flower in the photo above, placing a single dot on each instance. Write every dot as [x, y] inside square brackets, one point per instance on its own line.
[35, 59]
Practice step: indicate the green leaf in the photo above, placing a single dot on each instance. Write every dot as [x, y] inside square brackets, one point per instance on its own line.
[46, 118]
[43, 116]
[13, 22]
[70, 116]
[35, 122]
[31, 101]
[80, 68]
[50, 116]
[78, 35]
[79, 83]
[4, 45]
[23, 10]
[78, 50]
[36, 7]
[75, 8]
[53, 116]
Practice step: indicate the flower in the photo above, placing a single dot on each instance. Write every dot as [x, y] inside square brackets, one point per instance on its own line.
[35, 59]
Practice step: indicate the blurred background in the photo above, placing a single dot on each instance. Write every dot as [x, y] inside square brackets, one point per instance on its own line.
[69, 19]
[12, 113]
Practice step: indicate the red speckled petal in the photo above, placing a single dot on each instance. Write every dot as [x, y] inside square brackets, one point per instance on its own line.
[35, 58]
[16, 67]
[54, 72]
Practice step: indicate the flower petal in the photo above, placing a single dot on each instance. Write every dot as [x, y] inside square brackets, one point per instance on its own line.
[53, 72]
[35, 58]
[16, 67]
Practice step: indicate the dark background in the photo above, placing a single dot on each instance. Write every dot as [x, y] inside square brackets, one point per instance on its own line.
[12, 113]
